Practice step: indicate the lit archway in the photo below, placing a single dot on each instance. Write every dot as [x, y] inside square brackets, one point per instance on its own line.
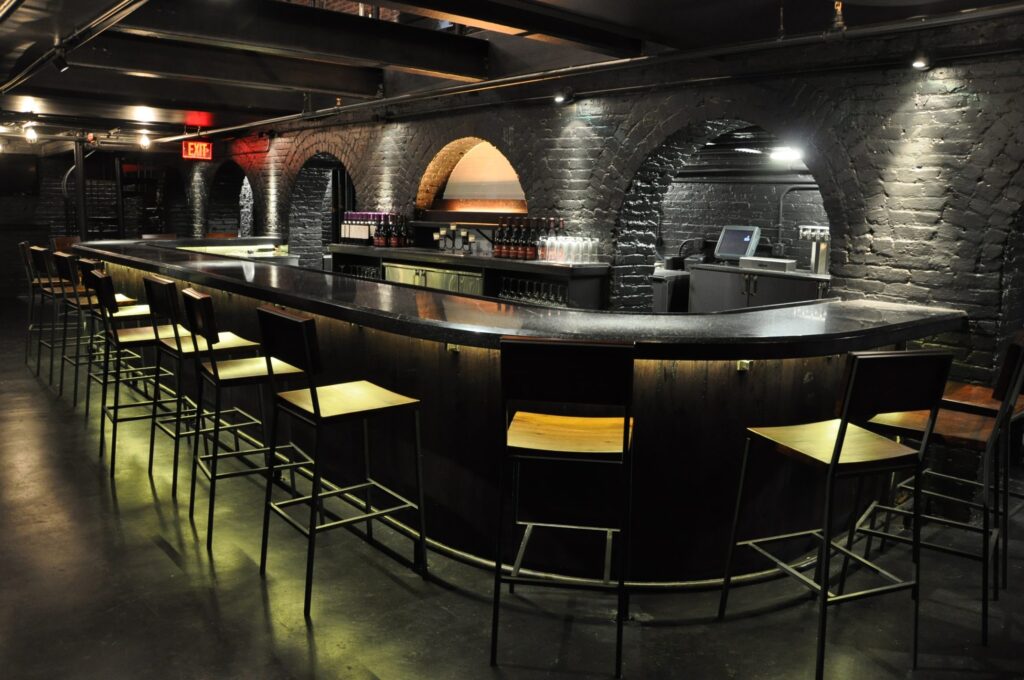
[471, 174]
[701, 178]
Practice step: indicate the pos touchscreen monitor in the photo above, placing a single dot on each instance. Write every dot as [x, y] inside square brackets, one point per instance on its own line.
[737, 242]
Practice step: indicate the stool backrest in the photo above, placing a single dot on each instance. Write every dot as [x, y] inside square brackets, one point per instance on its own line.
[26, 260]
[1009, 369]
[64, 263]
[289, 337]
[42, 265]
[892, 382]
[162, 298]
[85, 265]
[63, 243]
[200, 322]
[103, 286]
[566, 372]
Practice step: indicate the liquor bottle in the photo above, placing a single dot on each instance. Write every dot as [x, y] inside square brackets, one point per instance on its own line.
[378, 233]
[394, 238]
[497, 243]
[521, 236]
[531, 242]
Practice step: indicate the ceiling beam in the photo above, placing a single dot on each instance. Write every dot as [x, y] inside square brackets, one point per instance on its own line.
[99, 85]
[194, 63]
[292, 31]
[69, 112]
[548, 24]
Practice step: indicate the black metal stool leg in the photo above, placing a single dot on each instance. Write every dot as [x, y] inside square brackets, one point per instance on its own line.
[271, 460]
[103, 395]
[314, 501]
[368, 493]
[625, 534]
[851, 532]
[196, 436]
[421, 541]
[82, 319]
[53, 337]
[916, 555]
[39, 335]
[213, 467]
[1005, 533]
[823, 582]
[179, 405]
[499, 537]
[63, 351]
[113, 421]
[155, 409]
[727, 578]
[88, 363]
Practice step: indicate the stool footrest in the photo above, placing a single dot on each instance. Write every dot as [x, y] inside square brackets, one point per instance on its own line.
[403, 504]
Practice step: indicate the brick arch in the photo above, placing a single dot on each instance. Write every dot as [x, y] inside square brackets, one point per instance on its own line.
[440, 168]
[223, 209]
[308, 205]
[793, 112]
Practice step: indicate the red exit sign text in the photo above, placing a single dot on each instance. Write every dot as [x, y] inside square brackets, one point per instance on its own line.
[195, 150]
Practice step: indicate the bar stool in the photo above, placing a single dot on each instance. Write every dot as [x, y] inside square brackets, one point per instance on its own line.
[78, 303]
[126, 315]
[176, 343]
[540, 381]
[876, 382]
[51, 292]
[224, 374]
[35, 284]
[978, 419]
[123, 344]
[291, 338]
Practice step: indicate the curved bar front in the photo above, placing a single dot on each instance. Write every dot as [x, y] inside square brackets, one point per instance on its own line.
[692, 399]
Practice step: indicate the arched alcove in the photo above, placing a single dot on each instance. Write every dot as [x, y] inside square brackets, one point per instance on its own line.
[471, 175]
[706, 176]
[322, 192]
[224, 205]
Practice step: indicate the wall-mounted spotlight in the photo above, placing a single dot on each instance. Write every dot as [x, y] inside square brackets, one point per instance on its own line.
[786, 153]
[31, 136]
[144, 140]
[60, 60]
[921, 61]
[564, 96]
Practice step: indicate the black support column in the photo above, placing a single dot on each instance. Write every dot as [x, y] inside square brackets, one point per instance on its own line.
[80, 217]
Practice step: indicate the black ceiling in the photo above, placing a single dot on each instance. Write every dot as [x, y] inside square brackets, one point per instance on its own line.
[172, 64]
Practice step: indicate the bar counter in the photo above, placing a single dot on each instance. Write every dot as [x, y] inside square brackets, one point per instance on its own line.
[692, 398]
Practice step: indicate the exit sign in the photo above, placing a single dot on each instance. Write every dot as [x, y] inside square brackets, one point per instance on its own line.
[196, 150]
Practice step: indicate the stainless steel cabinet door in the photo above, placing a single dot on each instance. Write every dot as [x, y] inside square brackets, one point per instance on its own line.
[716, 291]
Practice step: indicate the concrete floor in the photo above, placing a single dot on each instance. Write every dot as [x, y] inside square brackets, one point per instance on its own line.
[102, 579]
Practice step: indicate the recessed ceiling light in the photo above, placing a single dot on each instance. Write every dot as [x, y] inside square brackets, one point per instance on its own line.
[921, 62]
[144, 140]
[31, 136]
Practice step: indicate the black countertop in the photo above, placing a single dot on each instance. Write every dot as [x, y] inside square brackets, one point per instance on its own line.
[807, 329]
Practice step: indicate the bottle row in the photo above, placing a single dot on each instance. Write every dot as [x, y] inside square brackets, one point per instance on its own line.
[384, 230]
[519, 237]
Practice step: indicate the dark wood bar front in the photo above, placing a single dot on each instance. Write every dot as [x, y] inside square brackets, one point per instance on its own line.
[701, 379]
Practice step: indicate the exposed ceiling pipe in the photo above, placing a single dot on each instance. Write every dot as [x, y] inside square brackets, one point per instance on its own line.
[7, 8]
[874, 30]
[81, 36]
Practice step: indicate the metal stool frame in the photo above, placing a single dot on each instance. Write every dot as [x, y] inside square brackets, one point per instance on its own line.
[876, 382]
[291, 338]
[589, 375]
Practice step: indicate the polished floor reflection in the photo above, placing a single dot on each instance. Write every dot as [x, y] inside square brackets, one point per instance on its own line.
[102, 579]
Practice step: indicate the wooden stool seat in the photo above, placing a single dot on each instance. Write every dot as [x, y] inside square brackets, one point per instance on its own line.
[359, 397]
[816, 441]
[226, 341]
[92, 301]
[566, 434]
[252, 369]
[143, 335]
[953, 427]
[60, 290]
[979, 396]
[131, 312]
